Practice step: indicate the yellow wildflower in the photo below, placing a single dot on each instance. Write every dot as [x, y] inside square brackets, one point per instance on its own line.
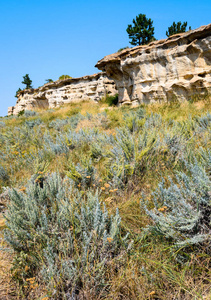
[26, 268]
[30, 279]
[109, 239]
[22, 189]
[164, 208]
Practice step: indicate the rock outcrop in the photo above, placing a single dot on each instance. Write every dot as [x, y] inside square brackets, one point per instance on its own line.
[54, 94]
[178, 67]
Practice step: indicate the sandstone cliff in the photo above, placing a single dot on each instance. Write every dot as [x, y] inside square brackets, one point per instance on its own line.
[54, 94]
[175, 68]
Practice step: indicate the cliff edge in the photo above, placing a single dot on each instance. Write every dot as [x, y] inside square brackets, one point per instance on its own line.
[177, 67]
[54, 94]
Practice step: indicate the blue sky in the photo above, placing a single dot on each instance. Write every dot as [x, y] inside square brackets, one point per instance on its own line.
[49, 38]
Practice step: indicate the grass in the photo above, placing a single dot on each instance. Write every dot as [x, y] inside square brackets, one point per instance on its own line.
[7, 286]
[124, 154]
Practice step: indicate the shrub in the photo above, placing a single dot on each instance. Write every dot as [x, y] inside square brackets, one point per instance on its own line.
[58, 147]
[182, 210]
[2, 124]
[135, 120]
[33, 123]
[83, 174]
[49, 80]
[21, 113]
[62, 77]
[30, 113]
[3, 175]
[111, 100]
[67, 239]
[58, 124]
[123, 49]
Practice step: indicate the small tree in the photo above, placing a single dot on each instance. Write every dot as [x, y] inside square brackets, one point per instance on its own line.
[49, 80]
[27, 81]
[177, 28]
[62, 77]
[16, 94]
[142, 31]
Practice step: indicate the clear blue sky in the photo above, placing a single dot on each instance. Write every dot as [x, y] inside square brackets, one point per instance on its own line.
[49, 38]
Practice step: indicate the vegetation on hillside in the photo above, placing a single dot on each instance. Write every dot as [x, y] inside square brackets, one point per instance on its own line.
[62, 77]
[108, 202]
[142, 31]
[177, 28]
[27, 81]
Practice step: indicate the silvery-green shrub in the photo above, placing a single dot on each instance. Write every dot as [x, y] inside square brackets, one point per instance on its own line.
[69, 236]
[182, 210]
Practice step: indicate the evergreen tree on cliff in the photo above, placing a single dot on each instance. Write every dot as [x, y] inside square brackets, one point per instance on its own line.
[27, 81]
[177, 28]
[16, 94]
[142, 31]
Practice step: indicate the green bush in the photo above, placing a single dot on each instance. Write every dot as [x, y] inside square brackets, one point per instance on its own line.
[67, 239]
[21, 113]
[111, 100]
[123, 49]
[183, 209]
[62, 77]
[4, 177]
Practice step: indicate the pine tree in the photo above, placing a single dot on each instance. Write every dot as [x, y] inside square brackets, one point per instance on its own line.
[16, 94]
[142, 32]
[177, 28]
[49, 80]
[27, 81]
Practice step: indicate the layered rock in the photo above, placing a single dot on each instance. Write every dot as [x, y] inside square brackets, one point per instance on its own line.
[54, 94]
[178, 67]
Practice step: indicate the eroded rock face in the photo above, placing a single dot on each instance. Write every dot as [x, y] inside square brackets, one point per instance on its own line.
[54, 94]
[176, 68]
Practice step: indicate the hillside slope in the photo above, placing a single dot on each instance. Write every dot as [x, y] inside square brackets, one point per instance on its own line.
[109, 203]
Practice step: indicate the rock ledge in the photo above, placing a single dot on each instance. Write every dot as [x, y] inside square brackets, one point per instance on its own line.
[178, 67]
[54, 94]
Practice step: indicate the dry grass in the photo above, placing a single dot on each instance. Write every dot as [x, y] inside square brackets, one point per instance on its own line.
[180, 111]
[7, 286]
[152, 274]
